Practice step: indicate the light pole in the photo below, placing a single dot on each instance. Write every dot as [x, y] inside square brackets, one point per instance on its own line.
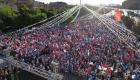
[80, 2]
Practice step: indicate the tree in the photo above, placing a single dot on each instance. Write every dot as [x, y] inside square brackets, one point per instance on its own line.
[128, 22]
[137, 28]
[11, 20]
[7, 16]
[29, 16]
[130, 13]
[23, 18]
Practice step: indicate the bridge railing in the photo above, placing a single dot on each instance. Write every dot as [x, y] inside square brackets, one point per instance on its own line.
[40, 72]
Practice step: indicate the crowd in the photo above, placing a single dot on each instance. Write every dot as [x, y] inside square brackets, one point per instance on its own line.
[4, 74]
[85, 48]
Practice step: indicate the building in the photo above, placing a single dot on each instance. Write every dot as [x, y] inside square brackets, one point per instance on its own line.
[60, 5]
[40, 4]
[2, 2]
[131, 4]
[11, 3]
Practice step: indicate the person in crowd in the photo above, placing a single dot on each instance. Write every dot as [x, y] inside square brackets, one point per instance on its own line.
[4, 74]
[85, 48]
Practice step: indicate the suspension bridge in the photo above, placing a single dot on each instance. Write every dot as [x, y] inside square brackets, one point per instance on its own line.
[120, 31]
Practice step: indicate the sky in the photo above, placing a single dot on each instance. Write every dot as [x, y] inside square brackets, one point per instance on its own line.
[91, 2]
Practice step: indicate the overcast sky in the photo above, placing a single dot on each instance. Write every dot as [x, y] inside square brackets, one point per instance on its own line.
[91, 2]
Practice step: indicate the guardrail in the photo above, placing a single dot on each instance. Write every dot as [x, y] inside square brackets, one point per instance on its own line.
[40, 72]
